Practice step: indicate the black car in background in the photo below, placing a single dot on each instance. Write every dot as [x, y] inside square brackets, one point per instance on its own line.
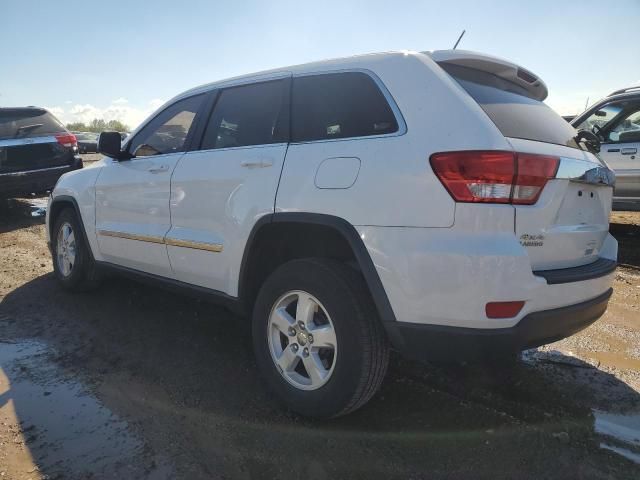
[35, 150]
[87, 142]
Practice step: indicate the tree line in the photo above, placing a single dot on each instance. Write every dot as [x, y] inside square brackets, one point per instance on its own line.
[98, 125]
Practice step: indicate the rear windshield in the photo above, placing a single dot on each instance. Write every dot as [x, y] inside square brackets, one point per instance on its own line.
[27, 122]
[510, 107]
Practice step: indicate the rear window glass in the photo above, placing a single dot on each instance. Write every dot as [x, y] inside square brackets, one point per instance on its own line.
[27, 122]
[508, 105]
[339, 105]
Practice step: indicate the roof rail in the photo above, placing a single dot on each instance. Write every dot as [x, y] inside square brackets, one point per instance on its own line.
[625, 90]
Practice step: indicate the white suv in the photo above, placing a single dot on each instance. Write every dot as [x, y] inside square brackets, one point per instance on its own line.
[428, 202]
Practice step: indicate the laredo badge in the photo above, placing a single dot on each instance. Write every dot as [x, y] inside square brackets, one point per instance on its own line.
[527, 240]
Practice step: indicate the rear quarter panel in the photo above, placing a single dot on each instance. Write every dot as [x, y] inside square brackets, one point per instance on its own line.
[395, 185]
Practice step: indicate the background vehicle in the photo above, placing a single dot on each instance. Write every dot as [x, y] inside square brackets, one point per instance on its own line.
[87, 141]
[35, 149]
[347, 211]
[616, 121]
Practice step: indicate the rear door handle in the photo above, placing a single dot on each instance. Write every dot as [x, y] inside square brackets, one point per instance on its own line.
[257, 164]
[158, 169]
[629, 151]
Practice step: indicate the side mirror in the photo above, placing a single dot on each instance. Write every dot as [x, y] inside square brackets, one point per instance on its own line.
[109, 144]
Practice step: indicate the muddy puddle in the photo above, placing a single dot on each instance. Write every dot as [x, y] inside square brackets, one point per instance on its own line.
[34, 207]
[620, 432]
[617, 431]
[55, 426]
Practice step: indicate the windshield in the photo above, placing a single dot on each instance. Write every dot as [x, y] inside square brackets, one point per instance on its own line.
[617, 122]
[510, 107]
[27, 122]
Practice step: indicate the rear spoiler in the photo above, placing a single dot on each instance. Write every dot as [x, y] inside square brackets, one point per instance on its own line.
[497, 66]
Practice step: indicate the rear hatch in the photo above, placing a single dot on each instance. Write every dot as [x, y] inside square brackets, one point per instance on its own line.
[31, 139]
[567, 220]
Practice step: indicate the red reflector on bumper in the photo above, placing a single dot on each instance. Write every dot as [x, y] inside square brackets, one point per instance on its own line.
[503, 309]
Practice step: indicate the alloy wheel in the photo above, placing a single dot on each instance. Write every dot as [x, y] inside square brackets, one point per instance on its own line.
[302, 340]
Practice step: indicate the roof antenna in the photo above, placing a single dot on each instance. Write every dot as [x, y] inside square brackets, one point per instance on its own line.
[459, 38]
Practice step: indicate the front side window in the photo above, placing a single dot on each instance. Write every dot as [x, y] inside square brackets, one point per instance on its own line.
[247, 115]
[339, 105]
[627, 129]
[169, 130]
[615, 123]
[599, 118]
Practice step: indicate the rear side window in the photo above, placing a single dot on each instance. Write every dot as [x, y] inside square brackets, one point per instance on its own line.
[168, 131]
[27, 122]
[511, 108]
[339, 105]
[247, 115]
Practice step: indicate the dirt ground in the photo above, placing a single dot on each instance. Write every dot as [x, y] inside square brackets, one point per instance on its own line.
[134, 382]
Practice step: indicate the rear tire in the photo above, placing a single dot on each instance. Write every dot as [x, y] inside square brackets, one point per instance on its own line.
[349, 356]
[73, 264]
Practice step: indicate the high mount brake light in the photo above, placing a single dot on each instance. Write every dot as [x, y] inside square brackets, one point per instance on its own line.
[494, 176]
[67, 139]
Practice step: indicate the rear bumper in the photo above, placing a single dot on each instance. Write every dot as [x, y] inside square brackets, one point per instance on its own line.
[445, 343]
[446, 276]
[34, 181]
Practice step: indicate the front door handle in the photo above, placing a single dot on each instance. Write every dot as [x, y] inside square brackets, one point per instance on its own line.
[257, 164]
[158, 169]
[629, 151]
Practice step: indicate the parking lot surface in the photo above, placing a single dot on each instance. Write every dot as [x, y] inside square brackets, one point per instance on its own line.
[133, 382]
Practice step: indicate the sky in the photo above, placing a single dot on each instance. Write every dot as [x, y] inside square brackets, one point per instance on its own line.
[122, 59]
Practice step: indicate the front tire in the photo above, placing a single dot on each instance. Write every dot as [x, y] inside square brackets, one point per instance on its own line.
[73, 264]
[317, 339]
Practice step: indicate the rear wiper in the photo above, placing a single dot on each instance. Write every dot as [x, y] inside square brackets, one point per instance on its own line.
[26, 128]
[589, 140]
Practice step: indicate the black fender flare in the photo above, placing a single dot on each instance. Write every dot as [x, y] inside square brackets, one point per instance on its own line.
[350, 235]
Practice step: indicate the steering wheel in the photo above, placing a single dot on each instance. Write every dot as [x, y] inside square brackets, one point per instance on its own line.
[590, 139]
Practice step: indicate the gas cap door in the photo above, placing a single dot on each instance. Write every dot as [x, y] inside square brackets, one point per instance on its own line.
[337, 173]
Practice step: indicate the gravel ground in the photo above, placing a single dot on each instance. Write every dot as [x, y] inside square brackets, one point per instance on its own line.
[132, 382]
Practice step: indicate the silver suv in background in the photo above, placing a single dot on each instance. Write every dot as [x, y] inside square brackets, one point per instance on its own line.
[616, 121]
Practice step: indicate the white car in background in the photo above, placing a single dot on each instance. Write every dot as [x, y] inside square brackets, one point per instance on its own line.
[427, 202]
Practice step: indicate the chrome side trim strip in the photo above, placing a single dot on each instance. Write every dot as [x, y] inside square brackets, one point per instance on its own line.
[209, 247]
[28, 172]
[131, 236]
[582, 171]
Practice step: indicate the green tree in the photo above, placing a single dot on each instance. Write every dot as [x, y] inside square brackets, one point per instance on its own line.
[98, 125]
[118, 126]
[77, 127]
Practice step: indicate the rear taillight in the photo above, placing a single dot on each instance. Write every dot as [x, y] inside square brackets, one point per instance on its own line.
[67, 139]
[494, 176]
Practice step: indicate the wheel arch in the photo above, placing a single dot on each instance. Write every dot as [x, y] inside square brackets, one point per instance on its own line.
[337, 235]
[58, 204]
